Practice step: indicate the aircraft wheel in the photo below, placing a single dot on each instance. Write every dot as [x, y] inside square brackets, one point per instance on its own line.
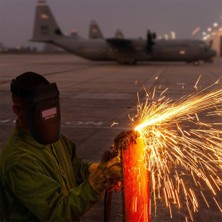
[120, 62]
[134, 62]
[131, 62]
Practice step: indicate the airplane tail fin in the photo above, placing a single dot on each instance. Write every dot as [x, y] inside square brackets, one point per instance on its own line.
[94, 31]
[46, 28]
[119, 34]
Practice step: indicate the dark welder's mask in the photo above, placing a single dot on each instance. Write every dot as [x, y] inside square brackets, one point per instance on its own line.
[43, 113]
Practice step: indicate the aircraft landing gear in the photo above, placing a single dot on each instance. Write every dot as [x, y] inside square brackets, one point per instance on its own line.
[127, 62]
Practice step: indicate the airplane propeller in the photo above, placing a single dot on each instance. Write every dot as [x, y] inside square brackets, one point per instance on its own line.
[211, 43]
[151, 36]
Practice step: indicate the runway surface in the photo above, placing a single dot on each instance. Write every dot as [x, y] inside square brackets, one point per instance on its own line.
[94, 95]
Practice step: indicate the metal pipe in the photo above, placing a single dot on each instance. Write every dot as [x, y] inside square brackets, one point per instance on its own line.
[136, 195]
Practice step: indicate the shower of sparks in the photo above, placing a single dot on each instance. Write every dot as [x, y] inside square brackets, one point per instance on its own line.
[183, 142]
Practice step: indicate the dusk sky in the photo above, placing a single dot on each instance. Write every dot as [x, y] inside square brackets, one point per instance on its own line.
[133, 17]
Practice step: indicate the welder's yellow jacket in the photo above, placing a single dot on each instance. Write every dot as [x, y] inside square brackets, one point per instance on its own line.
[47, 183]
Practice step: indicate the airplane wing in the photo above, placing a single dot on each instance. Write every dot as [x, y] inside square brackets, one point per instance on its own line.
[120, 43]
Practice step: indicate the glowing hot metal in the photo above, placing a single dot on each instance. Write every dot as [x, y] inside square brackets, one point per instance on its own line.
[136, 183]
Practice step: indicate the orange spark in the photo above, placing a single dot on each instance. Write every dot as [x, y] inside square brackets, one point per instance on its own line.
[178, 142]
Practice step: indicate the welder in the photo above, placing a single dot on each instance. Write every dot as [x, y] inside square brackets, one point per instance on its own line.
[41, 176]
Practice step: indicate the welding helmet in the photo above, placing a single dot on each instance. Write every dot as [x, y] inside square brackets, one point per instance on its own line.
[42, 108]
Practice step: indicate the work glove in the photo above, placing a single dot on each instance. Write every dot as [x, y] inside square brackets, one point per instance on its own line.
[107, 174]
[123, 140]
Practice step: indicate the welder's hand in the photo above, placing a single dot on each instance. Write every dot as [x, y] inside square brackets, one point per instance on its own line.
[113, 170]
[107, 155]
[106, 175]
[123, 140]
[114, 178]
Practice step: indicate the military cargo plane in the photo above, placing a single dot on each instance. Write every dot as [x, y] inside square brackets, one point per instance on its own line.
[122, 50]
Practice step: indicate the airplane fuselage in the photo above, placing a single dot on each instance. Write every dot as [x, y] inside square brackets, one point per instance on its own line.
[163, 50]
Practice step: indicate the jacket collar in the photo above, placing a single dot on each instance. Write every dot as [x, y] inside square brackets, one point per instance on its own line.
[27, 138]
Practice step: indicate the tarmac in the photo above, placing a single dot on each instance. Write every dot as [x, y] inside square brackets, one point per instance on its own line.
[96, 101]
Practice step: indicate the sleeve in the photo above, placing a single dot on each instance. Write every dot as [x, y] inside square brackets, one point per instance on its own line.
[44, 197]
[80, 167]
